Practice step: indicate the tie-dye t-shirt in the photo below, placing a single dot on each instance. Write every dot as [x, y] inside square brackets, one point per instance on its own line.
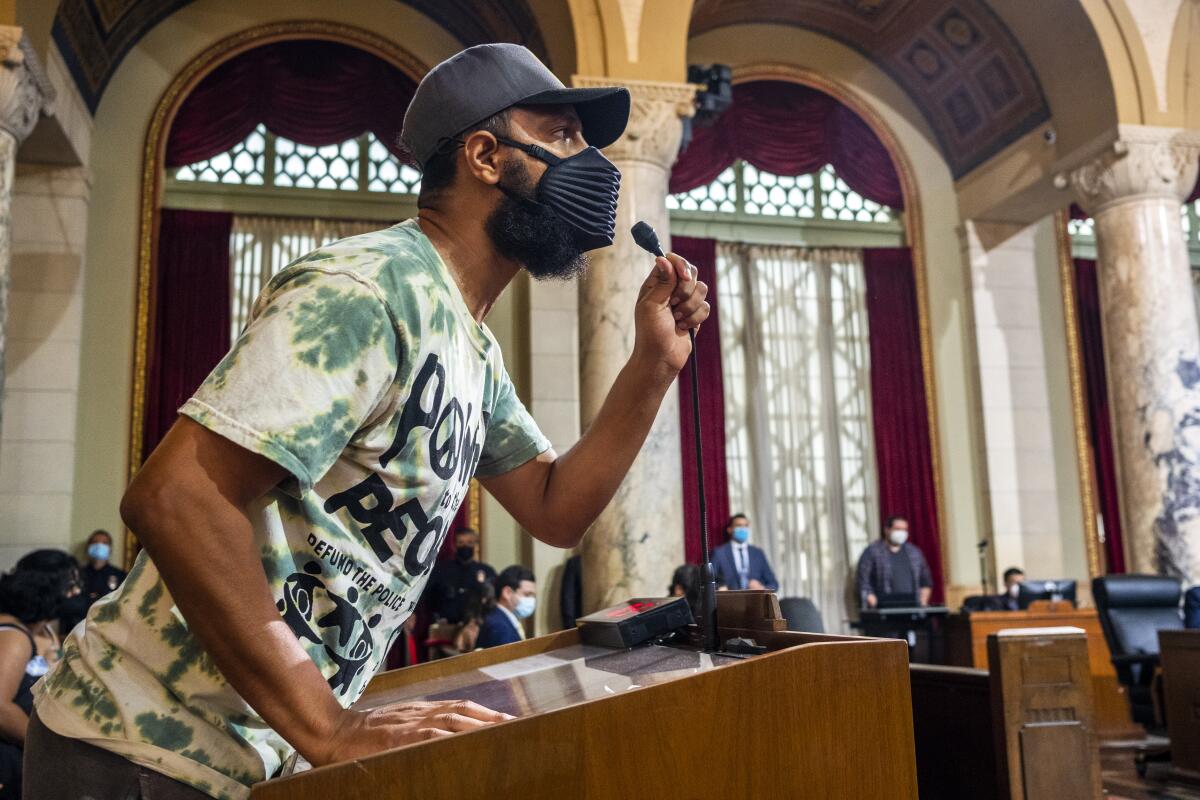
[363, 374]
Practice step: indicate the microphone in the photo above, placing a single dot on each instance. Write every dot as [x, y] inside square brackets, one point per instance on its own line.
[647, 239]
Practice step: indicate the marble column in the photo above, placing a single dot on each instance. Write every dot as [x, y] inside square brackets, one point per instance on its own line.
[637, 541]
[1151, 341]
[25, 93]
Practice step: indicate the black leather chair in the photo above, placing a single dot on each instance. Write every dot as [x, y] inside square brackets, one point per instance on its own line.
[1132, 610]
[801, 615]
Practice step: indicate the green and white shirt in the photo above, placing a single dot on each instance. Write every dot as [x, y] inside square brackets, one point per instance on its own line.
[363, 374]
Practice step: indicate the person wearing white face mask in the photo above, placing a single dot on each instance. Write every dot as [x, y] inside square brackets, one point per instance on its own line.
[1013, 578]
[892, 565]
[516, 600]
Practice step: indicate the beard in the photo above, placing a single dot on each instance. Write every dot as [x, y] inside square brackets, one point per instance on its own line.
[530, 233]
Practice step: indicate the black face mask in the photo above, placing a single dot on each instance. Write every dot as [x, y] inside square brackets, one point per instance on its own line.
[529, 233]
[464, 553]
[581, 190]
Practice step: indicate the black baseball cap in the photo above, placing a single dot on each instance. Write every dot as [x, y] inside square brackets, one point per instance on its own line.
[483, 80]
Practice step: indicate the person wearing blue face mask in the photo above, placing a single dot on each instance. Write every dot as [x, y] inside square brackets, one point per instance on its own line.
[739, 564]
[516, 599]
[99, 577]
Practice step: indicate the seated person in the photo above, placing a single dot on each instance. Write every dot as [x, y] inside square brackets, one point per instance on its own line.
[454, 578]
[740, 565]
[98, 576]
[72, 604]
[516, 598]
[686, 583]
[477, 602]
[1013, 578]
[29, 601]
[892, 565]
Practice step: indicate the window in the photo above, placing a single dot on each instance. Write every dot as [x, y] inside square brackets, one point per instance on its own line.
[800, 447]
[743, 189]
[290, 198]
[747, 204]
[361, 164]
[261, 246]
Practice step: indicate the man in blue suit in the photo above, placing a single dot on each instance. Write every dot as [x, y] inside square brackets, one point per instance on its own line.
[516, 598]
[739, 564]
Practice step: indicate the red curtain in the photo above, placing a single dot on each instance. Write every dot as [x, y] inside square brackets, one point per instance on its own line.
[192, 319]
[702, 254]
[1091, 343]
[311, 91]
[789, 129]
[903, 451]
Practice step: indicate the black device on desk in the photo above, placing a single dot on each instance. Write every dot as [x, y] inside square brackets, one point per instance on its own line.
[1055, 590]
[635, 621]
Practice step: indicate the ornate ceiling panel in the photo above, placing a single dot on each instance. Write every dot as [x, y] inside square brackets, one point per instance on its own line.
[959, 63]
[94, 35]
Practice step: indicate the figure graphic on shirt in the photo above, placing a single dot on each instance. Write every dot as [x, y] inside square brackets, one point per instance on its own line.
[299, 605]
[296, 605]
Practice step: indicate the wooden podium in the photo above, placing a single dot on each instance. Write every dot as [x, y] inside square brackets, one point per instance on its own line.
[966, 646]
[817, 716]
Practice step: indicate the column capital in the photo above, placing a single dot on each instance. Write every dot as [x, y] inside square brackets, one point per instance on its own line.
[653, 133]
[1145, 162]
[25, 89]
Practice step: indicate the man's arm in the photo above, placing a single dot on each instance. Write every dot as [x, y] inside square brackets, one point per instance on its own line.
[15, 653]
[189, 508]
[769, 580]
[555, 497]
[926, 580]
[862, 579]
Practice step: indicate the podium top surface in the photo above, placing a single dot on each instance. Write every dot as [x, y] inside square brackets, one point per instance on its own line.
[904, 611]
[556, 679]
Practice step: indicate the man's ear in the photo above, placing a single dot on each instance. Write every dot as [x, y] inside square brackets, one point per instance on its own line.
[481, 153]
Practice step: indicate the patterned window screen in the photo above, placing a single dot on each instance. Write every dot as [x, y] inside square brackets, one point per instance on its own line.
[742, 190]
[261, 246]
[800, 447]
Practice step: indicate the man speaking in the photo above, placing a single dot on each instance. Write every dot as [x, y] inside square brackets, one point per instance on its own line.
[292, 515]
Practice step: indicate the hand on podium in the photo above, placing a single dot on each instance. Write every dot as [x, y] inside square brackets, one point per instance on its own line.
[363, 733]
[756, 584]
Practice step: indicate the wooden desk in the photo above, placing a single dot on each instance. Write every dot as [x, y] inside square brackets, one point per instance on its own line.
[955, 733]
[966, 646]
[1180, 659]
[817, 716]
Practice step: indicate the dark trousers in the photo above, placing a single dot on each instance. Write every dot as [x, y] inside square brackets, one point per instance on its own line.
[58, 768]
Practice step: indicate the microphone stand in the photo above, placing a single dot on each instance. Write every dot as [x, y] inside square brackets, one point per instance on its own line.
[708, 578]
[984, 572]
[647, 239]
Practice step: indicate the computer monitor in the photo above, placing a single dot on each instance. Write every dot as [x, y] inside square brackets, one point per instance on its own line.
[1058, 589]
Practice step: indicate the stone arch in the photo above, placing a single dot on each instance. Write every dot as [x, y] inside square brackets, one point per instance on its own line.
[643, 40]
[932, 224]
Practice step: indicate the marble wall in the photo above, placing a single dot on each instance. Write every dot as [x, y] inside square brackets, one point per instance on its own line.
[37, 449]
